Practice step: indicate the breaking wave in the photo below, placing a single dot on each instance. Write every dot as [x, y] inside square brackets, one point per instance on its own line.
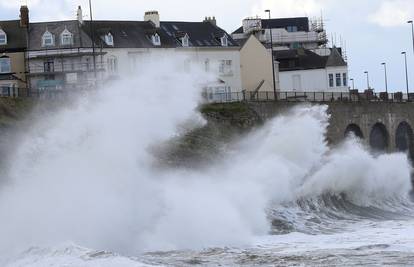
[86, 175]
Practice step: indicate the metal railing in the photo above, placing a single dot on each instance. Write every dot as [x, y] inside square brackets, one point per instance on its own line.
[58, 67]
[319, 97]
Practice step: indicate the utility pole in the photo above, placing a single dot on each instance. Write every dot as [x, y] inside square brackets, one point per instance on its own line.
[273, 60]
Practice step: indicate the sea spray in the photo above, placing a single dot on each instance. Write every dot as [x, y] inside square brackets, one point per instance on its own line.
[86, 173]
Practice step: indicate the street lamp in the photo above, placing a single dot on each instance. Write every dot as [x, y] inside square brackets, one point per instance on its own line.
[367, 73]
[93, 41]
[406, 74]
[353, 84]
[386, 80]
[412, 31]
[271, 49]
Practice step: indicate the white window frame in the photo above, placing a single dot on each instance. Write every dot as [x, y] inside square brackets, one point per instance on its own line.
[185, 41]
[331, 78]
[3, 39]
[156, 40]
[226, 67]
[48, 36]
[66, 35]
[224, 41]
[8, 70]
[112, 64]
[109, 39]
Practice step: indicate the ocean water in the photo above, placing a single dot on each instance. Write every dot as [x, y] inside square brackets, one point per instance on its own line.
[83, 189]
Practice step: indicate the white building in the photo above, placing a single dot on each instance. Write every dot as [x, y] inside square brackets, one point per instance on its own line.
[287, 33]
[126, 45]
[305, 71]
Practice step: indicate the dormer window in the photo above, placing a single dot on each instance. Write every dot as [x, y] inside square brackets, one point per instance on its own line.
[185, 41]
[66, 37]
[156, 40]
[224, 41]
[3, 37]
[47, 39]
[109, 39]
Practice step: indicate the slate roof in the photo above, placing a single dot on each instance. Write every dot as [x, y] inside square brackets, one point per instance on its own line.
[36, 31]
[127, 34]
[302, 23]
[301, 59]
[16, 36]
[201, 34]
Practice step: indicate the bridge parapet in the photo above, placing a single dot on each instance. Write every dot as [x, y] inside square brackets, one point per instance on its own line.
[382, 125]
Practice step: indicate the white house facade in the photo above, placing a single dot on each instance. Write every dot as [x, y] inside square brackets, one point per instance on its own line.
[305, 71]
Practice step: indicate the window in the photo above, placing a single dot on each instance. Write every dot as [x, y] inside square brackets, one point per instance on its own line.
[185, 41]
[156, 39]
[47, 39]
[88, 63]
[338, 79]
[207, 64]
[49, 65]
[5, 65]
[295, 45]
[345, 79]
[331, 80]
[112, 64]
[292, 28]
[3, 37]
[225, 67]
[66, 38]
[109, 39]
[224, 41]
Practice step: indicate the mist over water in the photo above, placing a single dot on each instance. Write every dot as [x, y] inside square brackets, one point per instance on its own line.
[86, 174]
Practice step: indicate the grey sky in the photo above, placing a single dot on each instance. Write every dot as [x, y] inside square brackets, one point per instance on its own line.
[374, 30]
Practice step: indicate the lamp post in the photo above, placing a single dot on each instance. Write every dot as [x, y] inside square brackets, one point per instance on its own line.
[273, 61]
[406, 74]
[367, 73]
[93, 41]
[412, 31]
[353, 83]
[385, 73]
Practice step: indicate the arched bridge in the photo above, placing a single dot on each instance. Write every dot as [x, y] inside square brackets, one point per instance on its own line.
[385, 126]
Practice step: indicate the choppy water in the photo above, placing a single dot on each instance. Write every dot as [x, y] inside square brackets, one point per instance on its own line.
[84, 189]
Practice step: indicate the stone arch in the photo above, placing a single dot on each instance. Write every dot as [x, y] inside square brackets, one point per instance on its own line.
[355, 130]
[404, 138]
[379, 137]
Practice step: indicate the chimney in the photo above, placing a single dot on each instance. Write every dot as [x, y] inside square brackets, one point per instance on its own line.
[24, 17]
[153, 16]
[79, 15]
[212, 20]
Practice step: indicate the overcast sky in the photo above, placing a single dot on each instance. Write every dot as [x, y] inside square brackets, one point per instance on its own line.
[375, 30]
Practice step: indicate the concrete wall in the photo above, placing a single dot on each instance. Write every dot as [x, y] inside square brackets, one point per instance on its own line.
[365, 115]
[256, 66]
